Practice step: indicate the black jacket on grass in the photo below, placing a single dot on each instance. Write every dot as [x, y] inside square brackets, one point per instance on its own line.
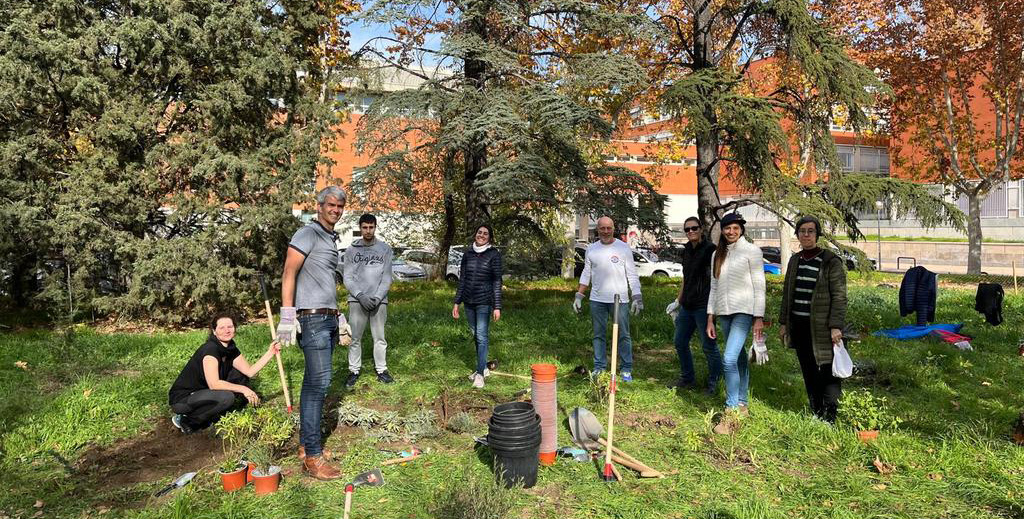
[917, 294]
[480, 278]
[989, 301]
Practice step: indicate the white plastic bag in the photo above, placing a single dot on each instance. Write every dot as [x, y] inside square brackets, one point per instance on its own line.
[759, 352]
[842, 364]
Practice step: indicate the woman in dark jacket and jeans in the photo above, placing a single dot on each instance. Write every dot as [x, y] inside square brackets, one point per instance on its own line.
[480, 291]
[814, 313]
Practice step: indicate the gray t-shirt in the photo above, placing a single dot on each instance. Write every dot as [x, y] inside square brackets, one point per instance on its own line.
[314, 285]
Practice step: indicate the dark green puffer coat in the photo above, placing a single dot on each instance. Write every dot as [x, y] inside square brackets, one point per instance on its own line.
[828, 302]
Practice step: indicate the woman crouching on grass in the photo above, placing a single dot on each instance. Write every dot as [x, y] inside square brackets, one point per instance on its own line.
[207, 385]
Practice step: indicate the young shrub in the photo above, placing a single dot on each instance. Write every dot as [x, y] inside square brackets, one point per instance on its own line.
[866, 412]
[421, 424]
[474, 497]
[462, 422]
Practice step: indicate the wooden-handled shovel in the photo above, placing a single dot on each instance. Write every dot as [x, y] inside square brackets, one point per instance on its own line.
[273, 337]
[609, 474]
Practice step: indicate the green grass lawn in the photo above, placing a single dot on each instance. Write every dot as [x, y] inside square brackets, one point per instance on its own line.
[85, 431]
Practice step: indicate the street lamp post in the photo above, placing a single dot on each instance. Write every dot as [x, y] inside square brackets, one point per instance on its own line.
[878, 225]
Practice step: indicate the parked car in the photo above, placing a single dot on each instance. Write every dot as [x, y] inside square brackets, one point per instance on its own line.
[772, 254]
[423, 259]
[772, 267]
[851, 260]
[644, 266]
[402, 271]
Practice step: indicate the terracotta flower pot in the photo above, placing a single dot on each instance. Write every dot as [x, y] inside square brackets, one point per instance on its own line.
[867, 436]
[233, 480]
[250, 466]
[266, 484]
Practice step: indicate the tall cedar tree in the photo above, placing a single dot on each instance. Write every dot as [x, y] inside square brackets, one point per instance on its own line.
[701, 71]
[508, 125]
[151, 151]
[957, 73]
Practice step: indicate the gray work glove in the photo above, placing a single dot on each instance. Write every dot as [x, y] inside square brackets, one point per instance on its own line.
[287, 327]
[577, 304]
[638, 304]
[672, 309]
[364, 301]
[375, 301]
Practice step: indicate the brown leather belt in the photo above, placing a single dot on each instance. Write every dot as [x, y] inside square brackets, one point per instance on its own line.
[317, 311]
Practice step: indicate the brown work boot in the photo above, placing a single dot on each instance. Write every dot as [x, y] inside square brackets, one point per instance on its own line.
[317, 467]
[326, 453]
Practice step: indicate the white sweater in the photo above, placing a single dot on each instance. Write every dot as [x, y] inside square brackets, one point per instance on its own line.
[739, 287]
[612, 271]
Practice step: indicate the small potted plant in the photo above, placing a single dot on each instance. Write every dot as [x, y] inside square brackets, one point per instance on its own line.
[252, 429]
[266, 477]
[866, 413]
[232, 474]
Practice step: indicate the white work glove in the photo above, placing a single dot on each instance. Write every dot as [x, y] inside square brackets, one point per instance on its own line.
[286, 329]
[759, 352]
[343, 327]
[673, 309]
[577, 304]
[637, 305]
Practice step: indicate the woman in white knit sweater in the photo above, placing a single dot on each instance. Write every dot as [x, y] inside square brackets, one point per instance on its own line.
[737, 299]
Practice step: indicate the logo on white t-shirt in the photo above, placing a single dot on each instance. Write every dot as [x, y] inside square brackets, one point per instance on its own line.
[615, 259]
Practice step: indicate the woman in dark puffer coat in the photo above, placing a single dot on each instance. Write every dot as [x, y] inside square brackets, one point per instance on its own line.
[479, 291]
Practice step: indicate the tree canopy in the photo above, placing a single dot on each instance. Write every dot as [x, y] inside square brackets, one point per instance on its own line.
[151, 151]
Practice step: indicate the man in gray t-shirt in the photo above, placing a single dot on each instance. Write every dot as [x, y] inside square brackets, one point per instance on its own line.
[309, 304]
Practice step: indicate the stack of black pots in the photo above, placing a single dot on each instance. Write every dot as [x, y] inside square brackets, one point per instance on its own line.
[513, 435]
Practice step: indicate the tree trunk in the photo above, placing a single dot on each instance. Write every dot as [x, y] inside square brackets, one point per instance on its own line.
[784, 251]
[448, 236]
[475, 154]
[974, 232]
[706, 142]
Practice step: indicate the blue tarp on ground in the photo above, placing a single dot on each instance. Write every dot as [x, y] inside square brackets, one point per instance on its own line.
[916, 332]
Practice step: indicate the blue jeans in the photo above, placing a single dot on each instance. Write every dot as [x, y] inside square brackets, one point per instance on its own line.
[688, 322]
[599, 315]
[735, 329]
[479, 319]
[319, 337]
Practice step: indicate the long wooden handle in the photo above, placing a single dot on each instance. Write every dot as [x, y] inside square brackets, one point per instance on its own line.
[612, 384]
[625, 459]
[399, 460]
[348, 500]
[280, 365]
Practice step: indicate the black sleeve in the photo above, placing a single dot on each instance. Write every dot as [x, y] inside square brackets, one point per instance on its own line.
[496, 272]
[460, 286]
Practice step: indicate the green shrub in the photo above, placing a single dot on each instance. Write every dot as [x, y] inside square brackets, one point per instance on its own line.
[474, 498]
[866, 412]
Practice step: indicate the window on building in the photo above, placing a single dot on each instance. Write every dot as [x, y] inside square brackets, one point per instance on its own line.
[845, 157]
[994, 205]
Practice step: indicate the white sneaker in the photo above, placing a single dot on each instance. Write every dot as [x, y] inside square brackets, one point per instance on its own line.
[478, 380]
[487, 373]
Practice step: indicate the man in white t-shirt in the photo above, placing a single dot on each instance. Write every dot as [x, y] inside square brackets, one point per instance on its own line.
[609, 265]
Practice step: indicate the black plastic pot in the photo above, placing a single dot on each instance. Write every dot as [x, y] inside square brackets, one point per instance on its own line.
[514, 438]
[517, 467]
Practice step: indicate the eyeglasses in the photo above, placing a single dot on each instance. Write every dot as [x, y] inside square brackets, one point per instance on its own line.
[807, 232]
[691, 229]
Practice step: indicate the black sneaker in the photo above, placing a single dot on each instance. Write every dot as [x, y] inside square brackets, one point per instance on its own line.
[384, 377]
[352, 379]
[179, 422]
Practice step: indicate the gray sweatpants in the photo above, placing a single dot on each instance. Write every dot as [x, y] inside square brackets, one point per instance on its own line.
[357, 318]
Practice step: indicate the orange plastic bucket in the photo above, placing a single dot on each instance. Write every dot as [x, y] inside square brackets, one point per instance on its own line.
[544, 372]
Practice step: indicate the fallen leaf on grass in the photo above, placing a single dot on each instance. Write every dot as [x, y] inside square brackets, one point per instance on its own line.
[883, 467]
[21, 364]
[880, 486]
[986, 383]
[37, 514]
[86, 393]
[39, 503]
[935, 476]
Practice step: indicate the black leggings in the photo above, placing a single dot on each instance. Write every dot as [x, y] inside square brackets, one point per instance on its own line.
[823, 389]
[206, 406]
